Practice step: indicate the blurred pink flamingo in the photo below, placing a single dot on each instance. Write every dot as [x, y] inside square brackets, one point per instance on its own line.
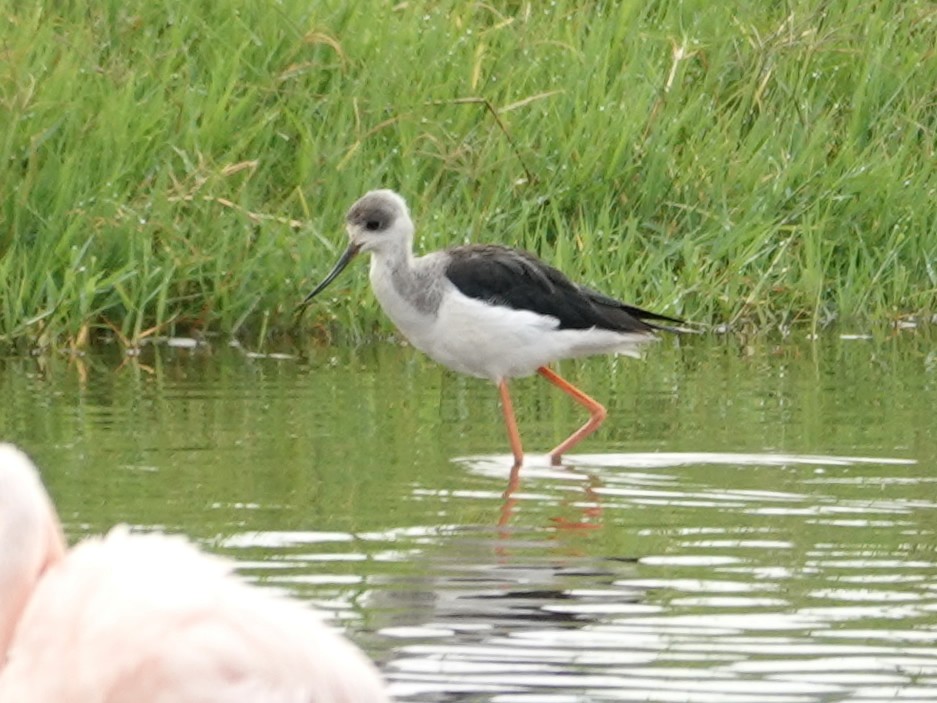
[132, 618]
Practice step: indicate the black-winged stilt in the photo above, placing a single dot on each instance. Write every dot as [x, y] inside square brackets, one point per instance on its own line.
[489, 311]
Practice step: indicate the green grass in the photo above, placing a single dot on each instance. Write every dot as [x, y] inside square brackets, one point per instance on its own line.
[181, 168]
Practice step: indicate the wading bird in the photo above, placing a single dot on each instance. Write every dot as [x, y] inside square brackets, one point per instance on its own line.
[489, 311]
[133, 618]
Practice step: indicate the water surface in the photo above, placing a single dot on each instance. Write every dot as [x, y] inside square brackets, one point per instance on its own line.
[754, 522]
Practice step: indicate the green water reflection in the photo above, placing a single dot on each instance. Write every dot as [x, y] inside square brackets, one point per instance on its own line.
[370, 482]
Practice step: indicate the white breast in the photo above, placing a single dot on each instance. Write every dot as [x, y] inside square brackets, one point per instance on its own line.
[476, 337]
[416, 324]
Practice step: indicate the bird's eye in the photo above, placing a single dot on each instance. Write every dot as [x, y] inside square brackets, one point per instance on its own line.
[372, 225]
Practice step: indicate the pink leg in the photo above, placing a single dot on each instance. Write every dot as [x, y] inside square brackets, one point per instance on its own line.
[507, 507]
[507, 407]
[596, 410]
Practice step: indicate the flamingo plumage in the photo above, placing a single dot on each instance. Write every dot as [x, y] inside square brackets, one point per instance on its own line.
[149, 618]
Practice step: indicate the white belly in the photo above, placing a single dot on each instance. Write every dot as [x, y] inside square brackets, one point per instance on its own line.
[492, 341]
[496, 342]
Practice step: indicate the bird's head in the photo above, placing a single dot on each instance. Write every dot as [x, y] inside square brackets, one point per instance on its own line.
[379, 222]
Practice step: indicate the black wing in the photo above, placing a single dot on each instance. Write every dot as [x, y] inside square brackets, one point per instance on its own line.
[518, 279]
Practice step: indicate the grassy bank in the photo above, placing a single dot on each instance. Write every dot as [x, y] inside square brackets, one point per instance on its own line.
[186, 167]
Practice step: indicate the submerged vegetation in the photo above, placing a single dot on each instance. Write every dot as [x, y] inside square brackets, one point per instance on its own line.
[181, 168]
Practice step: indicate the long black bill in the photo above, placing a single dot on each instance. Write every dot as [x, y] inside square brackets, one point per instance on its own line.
[340, 265]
